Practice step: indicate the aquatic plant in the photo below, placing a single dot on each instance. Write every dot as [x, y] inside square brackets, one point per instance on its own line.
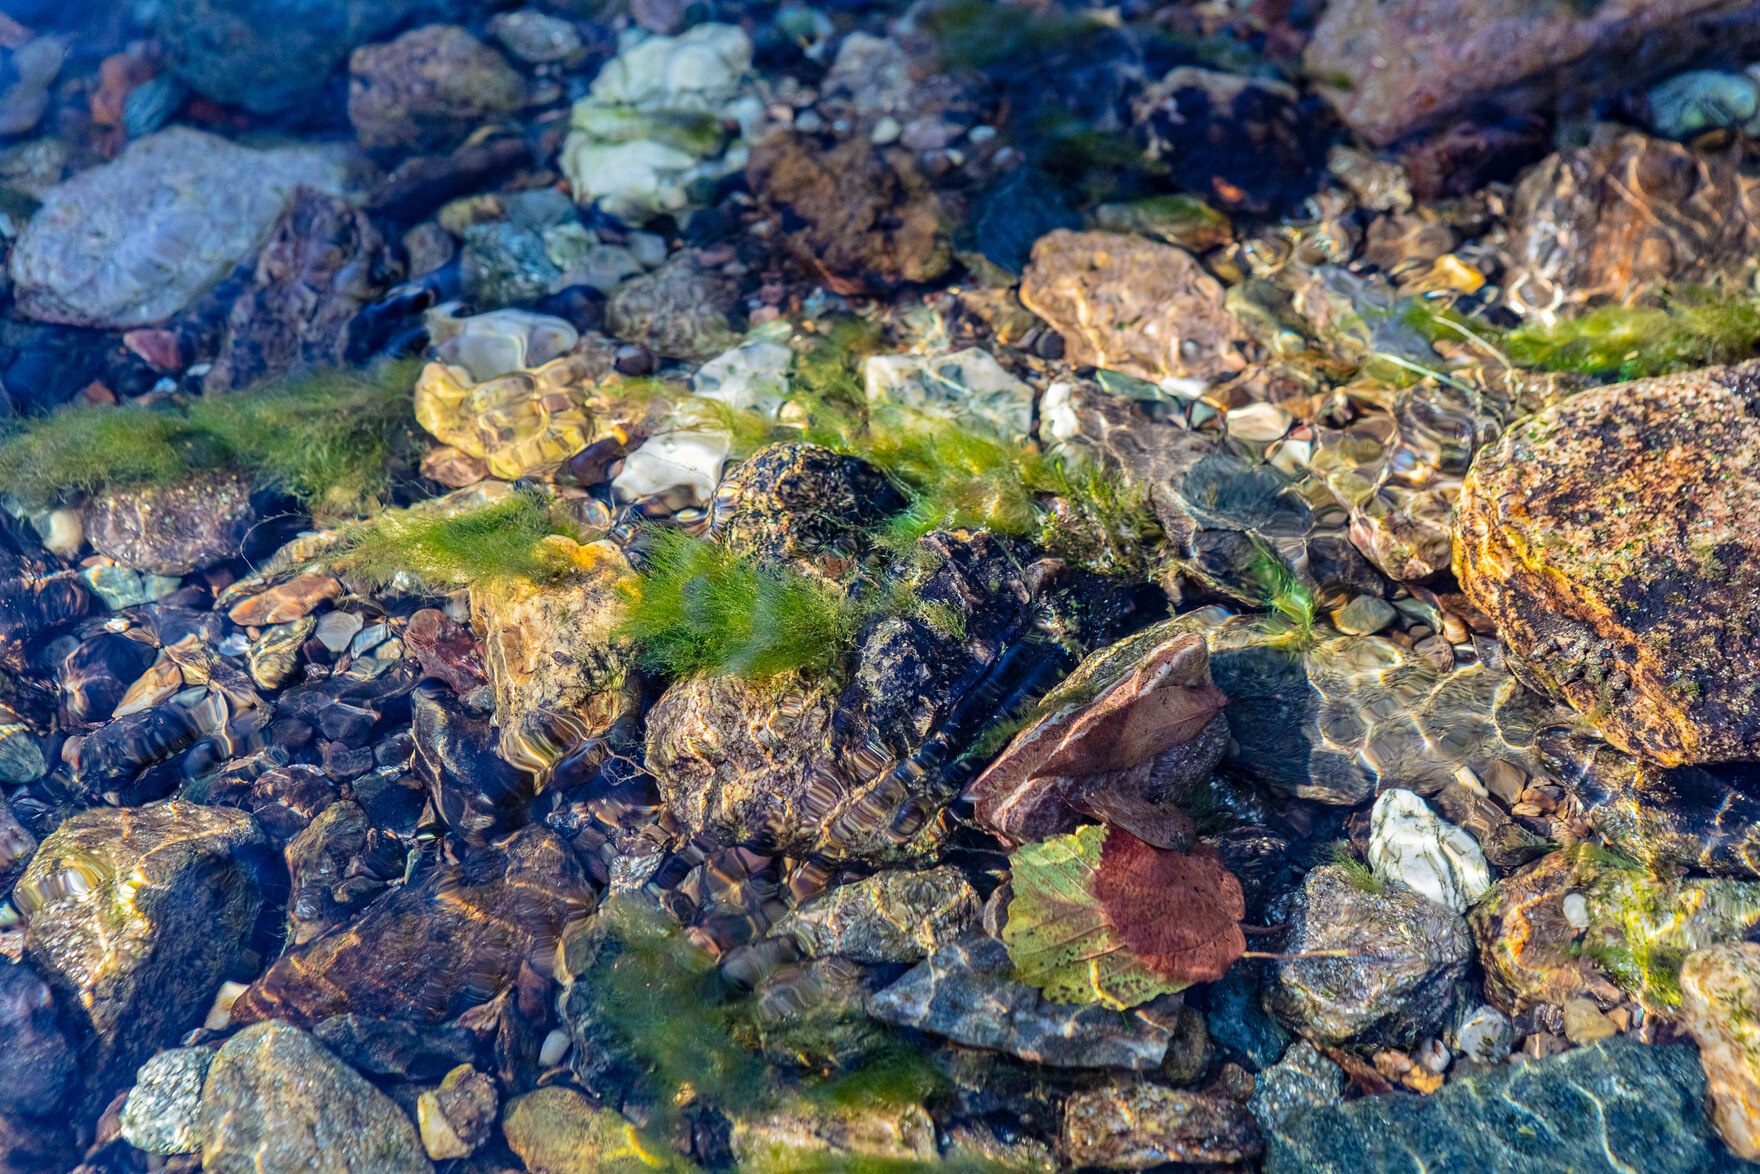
[448, 550]
[701, 608]
[1694, 328]
[327, 437]
[1357, 874]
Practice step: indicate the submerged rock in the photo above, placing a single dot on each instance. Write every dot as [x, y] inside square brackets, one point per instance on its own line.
[1303, 1079]
[558, 1131]
[893, 916]
[277, 1101]
[35, 1059]
[969, 386]
[175, 529]
[679, 311]
[429, 88]
[519, 421]
[1410, 845]
[1701, 100]
[1614, 540]
[161, 1115]
[1609, 1108]
[1405, 957]
[1136, 1126]
[134, 241]
[801, 502]
[1720, 1009]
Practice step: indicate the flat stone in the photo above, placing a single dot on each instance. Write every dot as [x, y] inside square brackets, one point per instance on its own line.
[277, 1101]
[1584, 1023]
[160, 1115]
[285, 601]
[1364, 615]
[1610, 1108]
[336, 629]
[892, 916]
[1615, 540]
[1409, 65]
[1720, 1008]
[1136, 1126]
[173, 529]
[1133, 305]
[559, 1131]
[966, 992]
[967, 385]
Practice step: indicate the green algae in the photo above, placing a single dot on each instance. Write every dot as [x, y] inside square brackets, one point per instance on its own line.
[329, 438]
[1357, 873]
[447, 550]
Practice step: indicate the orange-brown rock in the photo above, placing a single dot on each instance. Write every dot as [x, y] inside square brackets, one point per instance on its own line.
[1615, 540]
[1133, 305]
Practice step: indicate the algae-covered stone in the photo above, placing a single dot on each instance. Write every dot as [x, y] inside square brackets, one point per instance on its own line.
[893, 916]
[1610, 1108]
[277, 1101]
[799, 1134]
[1720, 1008]
[1614, 539]
[558, 1131]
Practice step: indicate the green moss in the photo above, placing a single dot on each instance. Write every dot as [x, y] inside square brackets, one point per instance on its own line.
[1357, 873]
[830, 370]
[328, 438]
[700, 608]
[1694, 328]
[974, 34]
[444, 551]
[893, 1074]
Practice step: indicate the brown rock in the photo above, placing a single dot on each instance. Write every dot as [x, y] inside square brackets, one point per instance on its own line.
[679, 311]
[1618, 217]
[1135, 1126]
[1133, 305]
[1720, 1007]
[871, 220]
[285, 601]
[428, 88]
[1615, 540]
[1399, 66]
[323, 262]
[456, 1117]
[173, 529]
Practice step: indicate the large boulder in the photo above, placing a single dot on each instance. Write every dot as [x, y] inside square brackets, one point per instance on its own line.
[1613, 538]
[1394, 67]
[135, 240]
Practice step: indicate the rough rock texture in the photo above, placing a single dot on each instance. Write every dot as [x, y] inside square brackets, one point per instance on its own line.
[1303, 1079]
[1613, 538]
[1133, 305]
[1408, 65]
[1411, 955]
[805, 1134]
[1408, 843]
[161, 1115]
[276, 1100]
[1135, 1126]
[135, 915]
[175, 529]
[1582, 222]
[893, 916]
[428, 88]
[800, 501]
[457, 1117]
[1720, 1008]
[558, 676]
[135, 240]
[35, 1061]
[430, 951]
[678, 311]
[868, 217]
[559, 1131]
[1610, 1108]
[967, 993]
[1705, 819]
[322, 263]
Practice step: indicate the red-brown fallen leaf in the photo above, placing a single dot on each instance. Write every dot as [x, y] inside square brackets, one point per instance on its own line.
[1179, 912]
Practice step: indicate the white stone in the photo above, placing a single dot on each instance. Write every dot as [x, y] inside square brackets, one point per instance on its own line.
[62, 532]
[697, 70]
[1409, 843]
[962, 385]
[1484, 1035]
[371, 637]
[555, 1047]
[1260, 422]
[690, 461]
[498, 343]
[629, 180]
[336, 629]
[1576, 911]
[751, 376]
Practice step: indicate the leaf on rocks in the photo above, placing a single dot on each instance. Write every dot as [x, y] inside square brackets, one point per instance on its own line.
[1178, 912]
[1063, 939]
[1131, 726]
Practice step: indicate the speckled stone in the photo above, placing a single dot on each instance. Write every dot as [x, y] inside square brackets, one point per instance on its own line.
[893, 916]
[160, 1114]
[174, 529]
[1303, 1079]
[1138, 1125]
[276, 1100]
[559, 1131]
[1611, 1108]
[1720, 1008]
[1615, 540]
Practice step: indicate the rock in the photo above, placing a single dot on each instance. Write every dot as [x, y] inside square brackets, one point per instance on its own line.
[323, 262]
[396, 1047]
[1136, 1126]
[558, 1131]
[1634, 542]
[876, 1131]
[428, 89]
[1364, 615]
[801, 502]
[134, 241]
[1409, 844]
[337, 629]
[1701, 818]
[1612, 1107]
[457, 1117]
[31, 69]
[269, 55]
[1485, 1035]
[174, 529]
[1701, 100]
[559, 676]
[1133, 305]
[324, 863]
[276, 1100]
[535, 37]
[678, 311]
[161, 1114]
[503, 264]
[35, 1060]
[868, 218]
[294, 599]
[1414, 65]
[1534, 954]
[1720, 1009]
[428, 952]
[96, 675]
[274, 656]
[649, 136]
[16, 842]
[751, 376]
[968, 386]
[1577, 229]
[1303, 1079]
[1407, 957]
[1584, 1023]
[966, 992]
[518, 423]
[893, 916]
[135, 916]
[121, 587]
[685, 466]
[501, 342]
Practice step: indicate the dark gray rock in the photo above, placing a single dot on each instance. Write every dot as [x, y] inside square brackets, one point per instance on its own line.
[1239, 1024]
[174, 529]
[35, 1060]
[1303, 1079]
[1610, 1108]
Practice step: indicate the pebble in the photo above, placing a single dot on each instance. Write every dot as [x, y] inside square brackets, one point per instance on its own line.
[160, 1115]
[1364, 616]
[1485, 1035]
[1584, 1023]
[1263, 423]
[535, 37]
[1409, 843]
[336, 630]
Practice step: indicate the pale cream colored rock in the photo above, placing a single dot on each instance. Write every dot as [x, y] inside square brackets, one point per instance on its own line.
[1720, 1007]
[1584, 1023]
